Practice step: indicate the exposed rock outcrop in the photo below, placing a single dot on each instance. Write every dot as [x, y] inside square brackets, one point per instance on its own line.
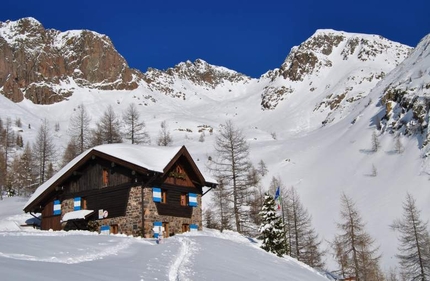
[406, 96]
[34, 62]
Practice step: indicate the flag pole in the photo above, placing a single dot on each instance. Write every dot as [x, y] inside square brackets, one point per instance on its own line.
[283, 221]
[278, 194]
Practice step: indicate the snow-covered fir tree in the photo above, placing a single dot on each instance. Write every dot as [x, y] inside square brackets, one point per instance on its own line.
[272, 229]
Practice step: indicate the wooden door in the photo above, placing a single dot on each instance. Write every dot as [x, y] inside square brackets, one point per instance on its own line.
[166, 230]
[114, 229]
[49, 221]
[185, 227]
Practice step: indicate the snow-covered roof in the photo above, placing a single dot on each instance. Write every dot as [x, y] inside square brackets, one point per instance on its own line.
[153, 158]
[77, 215]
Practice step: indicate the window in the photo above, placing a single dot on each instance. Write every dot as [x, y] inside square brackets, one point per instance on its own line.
[105, 179]
[83, 203]
[184, 200]
[159, 195]
[163, 196]
[185, 227]
[79, 203]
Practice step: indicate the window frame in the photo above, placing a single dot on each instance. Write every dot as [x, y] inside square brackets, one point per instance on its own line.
[84, 204]
[184, 199]
[105, 177]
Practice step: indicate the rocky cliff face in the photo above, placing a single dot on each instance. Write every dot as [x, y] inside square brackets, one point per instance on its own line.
[35, 62]
[406, 96]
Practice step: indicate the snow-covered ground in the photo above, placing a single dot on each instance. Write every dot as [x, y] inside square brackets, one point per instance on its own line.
[30, 254]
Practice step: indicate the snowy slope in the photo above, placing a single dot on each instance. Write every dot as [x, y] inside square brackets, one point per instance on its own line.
[323, 143]
[325, 77]
[207, 255]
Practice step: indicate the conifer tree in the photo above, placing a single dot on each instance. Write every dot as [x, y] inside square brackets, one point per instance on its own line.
[19, 141]
[353, 246]
[164, 137]
[79, 128]
[254, 201]
[398, 146]
[108, 129]
[414, 249]
[262, 168]
[209, 219]
[232, 164]
[375, 142]
[71, 151]
[44, 151]
[22, 177]
[134, 128]
[271, 229]
[304, 240]
[2, 174]
[221, 205]
[285, 211]
[7, 142]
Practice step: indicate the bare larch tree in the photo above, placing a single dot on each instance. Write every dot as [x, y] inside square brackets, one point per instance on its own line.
[43, 151]
[232, 164]
[134, 128]
[79, 128]
[108, 129]
[353, 246]
[414, 248]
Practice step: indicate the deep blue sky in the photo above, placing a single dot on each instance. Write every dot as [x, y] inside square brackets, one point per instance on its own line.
[247, 36]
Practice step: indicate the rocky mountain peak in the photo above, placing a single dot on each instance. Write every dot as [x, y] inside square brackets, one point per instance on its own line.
[334, 67]
[202, 73]
[199, 73]
[325, 46]
[22, 29]
[35, 61]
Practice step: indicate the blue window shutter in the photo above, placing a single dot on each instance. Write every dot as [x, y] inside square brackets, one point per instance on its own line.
[157, 228]
[105, 229]
[77, 204]
[156, 194]
[194, 227]
[57, 207]
[192, 200]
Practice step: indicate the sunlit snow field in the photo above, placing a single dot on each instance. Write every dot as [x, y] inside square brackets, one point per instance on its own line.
[31, 254]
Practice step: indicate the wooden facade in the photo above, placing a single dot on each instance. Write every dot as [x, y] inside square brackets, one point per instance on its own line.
[125, 197]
